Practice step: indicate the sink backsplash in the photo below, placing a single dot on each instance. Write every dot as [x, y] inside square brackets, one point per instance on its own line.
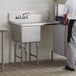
[28, 17]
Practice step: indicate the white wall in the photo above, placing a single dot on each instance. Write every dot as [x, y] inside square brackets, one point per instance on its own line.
[22, 5]
[61, 1]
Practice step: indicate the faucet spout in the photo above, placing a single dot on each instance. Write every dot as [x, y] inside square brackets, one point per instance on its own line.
[26, 13]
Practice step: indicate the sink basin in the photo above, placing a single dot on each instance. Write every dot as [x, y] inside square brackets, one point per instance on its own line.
[26, 34]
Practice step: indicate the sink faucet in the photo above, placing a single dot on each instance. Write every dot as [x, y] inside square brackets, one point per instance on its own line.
[23, 16]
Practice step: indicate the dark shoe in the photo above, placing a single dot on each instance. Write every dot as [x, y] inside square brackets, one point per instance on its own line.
[68, 68]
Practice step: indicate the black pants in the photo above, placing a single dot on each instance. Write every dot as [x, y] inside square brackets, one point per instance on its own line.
[70, 25]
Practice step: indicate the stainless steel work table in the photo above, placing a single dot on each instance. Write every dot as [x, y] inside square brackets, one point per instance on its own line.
[2, 31]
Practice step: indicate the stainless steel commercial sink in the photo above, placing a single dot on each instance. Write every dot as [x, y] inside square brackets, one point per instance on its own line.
[27, 28]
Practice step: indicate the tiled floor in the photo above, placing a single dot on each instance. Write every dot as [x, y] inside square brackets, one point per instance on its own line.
[45, 68]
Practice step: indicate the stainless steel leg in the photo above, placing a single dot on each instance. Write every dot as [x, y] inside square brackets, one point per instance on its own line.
[2, 60]
[21, 55]
[52, 55]
[25, 52]
[37, 54]
[29, 51]
[14, 53]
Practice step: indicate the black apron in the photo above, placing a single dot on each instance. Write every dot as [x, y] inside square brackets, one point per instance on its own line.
[70, 25]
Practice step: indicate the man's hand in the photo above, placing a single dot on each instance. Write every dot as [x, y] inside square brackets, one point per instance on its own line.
[65, 19]
[66, 22]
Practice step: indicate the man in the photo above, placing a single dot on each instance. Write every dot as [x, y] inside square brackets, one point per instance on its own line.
[70, 19]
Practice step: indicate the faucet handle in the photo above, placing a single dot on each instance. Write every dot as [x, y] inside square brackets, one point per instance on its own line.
[18, 17]
[24, 16]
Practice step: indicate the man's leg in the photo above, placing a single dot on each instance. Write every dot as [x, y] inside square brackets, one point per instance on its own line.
[72, 49]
